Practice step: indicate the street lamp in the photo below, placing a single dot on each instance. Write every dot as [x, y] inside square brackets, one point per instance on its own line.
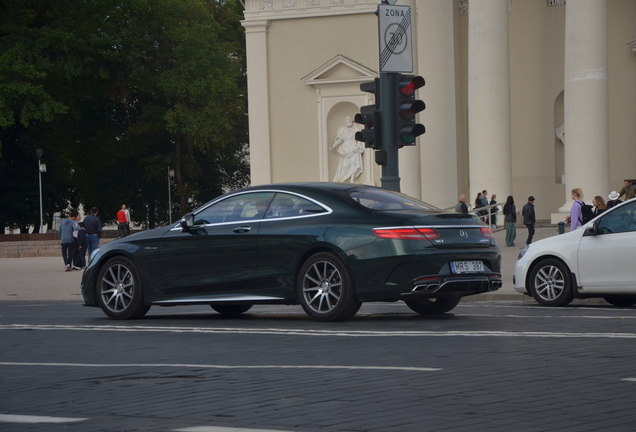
[170, 174]
[41, 169]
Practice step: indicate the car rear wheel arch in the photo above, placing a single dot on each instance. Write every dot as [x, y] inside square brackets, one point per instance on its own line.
[303, 259]
[325, 288]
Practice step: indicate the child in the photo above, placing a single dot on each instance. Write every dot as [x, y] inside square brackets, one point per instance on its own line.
[80, 260]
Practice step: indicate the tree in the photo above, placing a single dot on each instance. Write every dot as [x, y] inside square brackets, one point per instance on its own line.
[109, 89]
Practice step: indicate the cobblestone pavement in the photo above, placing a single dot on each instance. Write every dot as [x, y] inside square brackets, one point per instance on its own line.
[488, 366]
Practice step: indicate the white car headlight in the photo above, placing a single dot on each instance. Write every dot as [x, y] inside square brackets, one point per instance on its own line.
[523, 252]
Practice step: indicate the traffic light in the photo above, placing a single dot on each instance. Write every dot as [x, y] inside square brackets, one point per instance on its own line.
[407, 107]
[369, 116]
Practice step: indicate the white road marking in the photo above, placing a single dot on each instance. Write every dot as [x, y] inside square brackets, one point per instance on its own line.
[629, 379]
[11, 418]
[209, 366]
[303, 332]
[550, 316]
[222, 429]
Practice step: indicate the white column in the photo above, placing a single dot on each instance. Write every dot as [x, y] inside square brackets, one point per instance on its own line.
[586, 99]
[258, 102]
[436, 63]
[489, 133]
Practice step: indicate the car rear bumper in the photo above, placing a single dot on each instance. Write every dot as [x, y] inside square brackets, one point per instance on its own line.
[453, 285]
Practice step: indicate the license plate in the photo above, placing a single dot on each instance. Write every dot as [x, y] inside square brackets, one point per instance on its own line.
[467, 267]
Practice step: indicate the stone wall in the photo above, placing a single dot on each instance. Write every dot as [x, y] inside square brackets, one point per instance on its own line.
[34, 248]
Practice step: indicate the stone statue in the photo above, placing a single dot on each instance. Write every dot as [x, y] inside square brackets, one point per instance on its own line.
[350, 150]
[560, 133]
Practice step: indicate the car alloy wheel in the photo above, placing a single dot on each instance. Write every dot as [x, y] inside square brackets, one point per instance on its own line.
[325, 288]
[120, 294]
[550, 283]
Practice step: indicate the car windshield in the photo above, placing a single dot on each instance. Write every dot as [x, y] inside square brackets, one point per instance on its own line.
[383, 200]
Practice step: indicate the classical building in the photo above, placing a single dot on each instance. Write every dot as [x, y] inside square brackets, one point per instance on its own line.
[523, 97]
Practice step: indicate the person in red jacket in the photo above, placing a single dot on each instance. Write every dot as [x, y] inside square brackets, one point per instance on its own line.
[122, 222]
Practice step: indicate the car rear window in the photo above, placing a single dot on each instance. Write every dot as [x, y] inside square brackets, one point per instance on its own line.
[383, 200]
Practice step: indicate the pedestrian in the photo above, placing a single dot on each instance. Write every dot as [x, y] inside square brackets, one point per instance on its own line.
[529, 218]
[484, 203]
[76, 229]
[599, 205]
[493, 211]
[478, 203]
[510, 220]
[127, 220]
[67, 226]
[576, 212]
[93, 227]
[80, 255]
[627, 190]
[122, 222]
[613, 200]
[461, 206]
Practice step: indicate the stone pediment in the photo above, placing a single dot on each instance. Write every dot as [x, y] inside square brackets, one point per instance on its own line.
[340, 69]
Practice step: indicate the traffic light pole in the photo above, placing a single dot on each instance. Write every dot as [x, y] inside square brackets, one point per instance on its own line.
[391, 169]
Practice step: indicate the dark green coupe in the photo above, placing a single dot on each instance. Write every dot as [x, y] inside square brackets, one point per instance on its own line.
[326, 246]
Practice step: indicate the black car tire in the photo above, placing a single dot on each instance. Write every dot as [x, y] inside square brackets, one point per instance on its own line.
[232, 309]
[119, 290]
[325, 288]
[425, 306]
[621, 300]
[549, 283]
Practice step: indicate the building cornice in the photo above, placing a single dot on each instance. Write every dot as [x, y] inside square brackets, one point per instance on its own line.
[290, 9]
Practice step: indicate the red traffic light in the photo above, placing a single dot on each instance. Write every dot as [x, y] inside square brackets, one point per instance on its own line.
[408, 84]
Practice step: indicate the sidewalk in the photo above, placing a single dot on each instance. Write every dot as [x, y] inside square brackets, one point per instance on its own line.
[44, 278]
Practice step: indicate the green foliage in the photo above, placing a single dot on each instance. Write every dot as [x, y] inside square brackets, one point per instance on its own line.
[109, 90]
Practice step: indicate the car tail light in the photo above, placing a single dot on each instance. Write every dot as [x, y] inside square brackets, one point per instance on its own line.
[487, 232]
[407, 233]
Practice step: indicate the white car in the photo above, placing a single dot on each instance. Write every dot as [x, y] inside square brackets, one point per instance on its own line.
[596, 260]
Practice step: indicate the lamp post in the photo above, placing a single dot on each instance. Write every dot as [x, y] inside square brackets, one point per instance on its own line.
[41, 168]
[170, 174]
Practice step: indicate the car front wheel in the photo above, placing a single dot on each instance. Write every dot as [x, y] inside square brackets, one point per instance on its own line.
[119, 290]
[325, 288]
[549, 283]
[438, 306]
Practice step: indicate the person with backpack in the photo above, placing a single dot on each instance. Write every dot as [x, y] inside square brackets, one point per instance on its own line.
[529, 218]
[580, 213]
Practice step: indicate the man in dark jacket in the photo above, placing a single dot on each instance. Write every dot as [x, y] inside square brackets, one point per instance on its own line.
[529, 218]
[93, 228]
[461, 206]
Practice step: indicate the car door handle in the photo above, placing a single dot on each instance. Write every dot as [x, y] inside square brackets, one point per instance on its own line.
[242, 229]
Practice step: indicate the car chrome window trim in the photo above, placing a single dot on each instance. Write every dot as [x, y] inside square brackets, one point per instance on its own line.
[328, 210]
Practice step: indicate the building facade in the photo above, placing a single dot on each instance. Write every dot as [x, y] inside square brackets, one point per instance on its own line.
[523, 97]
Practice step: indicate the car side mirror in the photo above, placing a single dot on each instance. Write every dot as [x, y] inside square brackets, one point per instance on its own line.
[592, 230]
[187, 222]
